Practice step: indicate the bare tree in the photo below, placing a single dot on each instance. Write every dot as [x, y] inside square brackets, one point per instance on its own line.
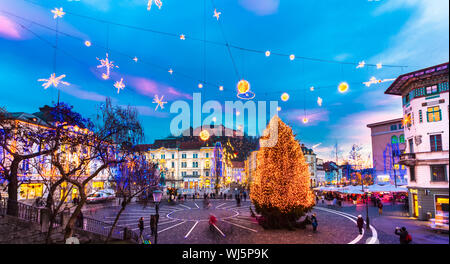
[135, 177]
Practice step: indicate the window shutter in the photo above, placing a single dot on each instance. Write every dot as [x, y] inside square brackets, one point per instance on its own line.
[404, 100]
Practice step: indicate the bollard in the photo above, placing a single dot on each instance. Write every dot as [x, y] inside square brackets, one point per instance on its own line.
[45, 219]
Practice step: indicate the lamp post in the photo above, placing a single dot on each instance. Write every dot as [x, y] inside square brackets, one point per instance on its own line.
[157, 195]
[367, 208]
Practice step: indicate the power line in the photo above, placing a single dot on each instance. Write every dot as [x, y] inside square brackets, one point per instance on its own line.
[226, 44]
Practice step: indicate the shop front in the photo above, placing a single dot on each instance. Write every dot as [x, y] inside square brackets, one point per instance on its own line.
[30, 190]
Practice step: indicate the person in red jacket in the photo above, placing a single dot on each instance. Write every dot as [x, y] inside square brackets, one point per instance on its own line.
[360, 224]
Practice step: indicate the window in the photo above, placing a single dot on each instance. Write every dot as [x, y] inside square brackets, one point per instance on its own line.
[207, 154]
[408, 120]
[195, 156]
[195, 164]
[436, 142]
[393, 127]
[195, 173]
[183, 164]
[173, 164]
[163, 156]
[183, 156]
[412, 173]
[438, 173]
[411, 145]
[400, 126]
[207, 173]
[394, 139]
[173, 156]
[434, 114]
[420, 116]
[432, 89]
[407, 98]
[401, 138]
[183, 173]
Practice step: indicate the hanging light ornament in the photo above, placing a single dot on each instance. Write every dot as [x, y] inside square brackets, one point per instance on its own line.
[135, 59]
[267, 53]
[343, 87]
[58, 13]
[311, 88]
[182, 37]
[87, 43]
[292, 57]
[361, 64]
[204, 135]
[200, 85]
[53, 80]
[374, 80]
[170, 71]
[216, 14]
[158, 3]
[221, 88]
[106, 63]
[244, 92]
[159, 102]
[305, 120]
[379, 65]
[278, 109]
[319, 101]
[285, 97]
[119, 85]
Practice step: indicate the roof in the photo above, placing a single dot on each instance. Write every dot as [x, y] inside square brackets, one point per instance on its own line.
[405, 79]
[237, 164]
[386, 122]
[30, 118]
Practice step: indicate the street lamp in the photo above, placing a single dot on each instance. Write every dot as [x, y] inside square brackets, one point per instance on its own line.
[367, 208]
[157, 195]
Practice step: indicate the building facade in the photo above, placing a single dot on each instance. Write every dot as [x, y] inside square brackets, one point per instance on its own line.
[310, 158]
[425, 98]
[388, 141]
[320, 172]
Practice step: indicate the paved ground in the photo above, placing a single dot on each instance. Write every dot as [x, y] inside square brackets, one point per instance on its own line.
[188, 223]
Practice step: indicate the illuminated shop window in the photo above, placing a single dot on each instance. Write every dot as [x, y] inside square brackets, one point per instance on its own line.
[434, 114]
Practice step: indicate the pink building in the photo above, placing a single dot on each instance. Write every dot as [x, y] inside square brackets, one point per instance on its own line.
[388, 141]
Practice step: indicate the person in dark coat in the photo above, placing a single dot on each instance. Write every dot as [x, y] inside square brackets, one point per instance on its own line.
[80, 220]
[360, 224]
[405, 238]
[314, 222]
[245, 196]
[141, 226]
[380, 208]
[153, 220]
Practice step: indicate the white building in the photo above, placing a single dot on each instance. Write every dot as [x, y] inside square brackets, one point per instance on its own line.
[320, 172]
[310, 158]
[425, 97]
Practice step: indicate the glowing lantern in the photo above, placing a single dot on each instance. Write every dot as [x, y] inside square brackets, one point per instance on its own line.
[87, 43]
[267, 53]
[243, 86]
[278, 108]
[221, 88]
[343, 87]
[200, 85]
[305, 120]
[292, 57]
[285, 97]
[311, 88]
[204, 135]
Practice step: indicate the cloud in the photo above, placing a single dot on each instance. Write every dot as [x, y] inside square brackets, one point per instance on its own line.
[423, 40]
[314, 116]
[148, 111]
[75, 91]
[151, 88]
[9, 29]
[261, 7]
[342, 57]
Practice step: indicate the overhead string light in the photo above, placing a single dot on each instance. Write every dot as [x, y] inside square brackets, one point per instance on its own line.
[361, 64]
[216, 14]
[58, 13]
[108, 65]
[53, 80]
[374, 80]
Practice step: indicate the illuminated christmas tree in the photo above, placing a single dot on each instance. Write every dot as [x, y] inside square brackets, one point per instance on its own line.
[280, 191]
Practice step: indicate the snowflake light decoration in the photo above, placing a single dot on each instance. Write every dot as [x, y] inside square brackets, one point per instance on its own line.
[53, 80]
[107, 64]
[361, 64]
[319, 101]
[159, 102]
[158, 3]
[379, 65]
[170, 71]
[58, 12]
[217, 14]
[374, 80]
[182, 37]
[119, 85]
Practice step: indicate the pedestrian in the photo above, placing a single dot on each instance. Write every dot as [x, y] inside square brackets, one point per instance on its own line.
[80, 220]
[141, 226]
[405, 237]
[245, 196]
[152, 224]
[314, 222]
[360, 224]
[380, 208]
[323, 199]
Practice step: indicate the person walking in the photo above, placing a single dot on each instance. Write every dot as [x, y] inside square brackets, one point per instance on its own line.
[245, 196]
[152, 224]
[380, 208]
[360, 224]
[405, 237]
[80, 220]
[314, 222]
[141, 226]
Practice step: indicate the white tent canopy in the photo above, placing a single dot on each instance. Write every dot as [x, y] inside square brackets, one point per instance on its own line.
[358, 190]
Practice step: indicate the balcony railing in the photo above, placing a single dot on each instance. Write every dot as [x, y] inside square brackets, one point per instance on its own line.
[408, 159]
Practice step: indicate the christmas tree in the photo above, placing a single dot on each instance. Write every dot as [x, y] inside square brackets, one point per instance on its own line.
[280, 191]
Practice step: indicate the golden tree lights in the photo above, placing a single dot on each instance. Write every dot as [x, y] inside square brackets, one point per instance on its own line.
[282, 175]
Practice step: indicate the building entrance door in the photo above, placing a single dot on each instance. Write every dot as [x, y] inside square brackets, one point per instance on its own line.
[415, 206]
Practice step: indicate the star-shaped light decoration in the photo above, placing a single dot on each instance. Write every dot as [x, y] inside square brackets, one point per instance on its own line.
[319, 101]
[158, 3]
[182, 37]
[374, 80]
[170, 71]
[159, 102]
[217, 14]
[379, 65]
[135, 59]
[361, 64]
[53, 80]
[119, 85]
[107, 64]
[406, 120]
[58, 12]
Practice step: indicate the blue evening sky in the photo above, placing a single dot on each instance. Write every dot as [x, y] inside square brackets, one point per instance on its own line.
[413, 33]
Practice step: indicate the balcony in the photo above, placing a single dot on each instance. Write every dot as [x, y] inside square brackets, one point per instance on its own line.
[408, 159]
